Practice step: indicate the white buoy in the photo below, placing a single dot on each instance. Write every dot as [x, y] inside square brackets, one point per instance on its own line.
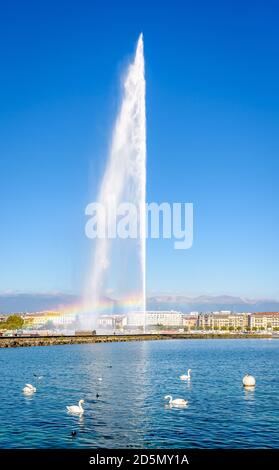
[249, 381]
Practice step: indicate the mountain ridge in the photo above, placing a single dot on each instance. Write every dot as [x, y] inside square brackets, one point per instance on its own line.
[28, 302]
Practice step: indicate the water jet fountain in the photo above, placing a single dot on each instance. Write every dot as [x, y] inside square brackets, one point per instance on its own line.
[120, 265]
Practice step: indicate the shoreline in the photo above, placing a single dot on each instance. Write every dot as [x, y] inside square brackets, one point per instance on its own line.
[30, 341]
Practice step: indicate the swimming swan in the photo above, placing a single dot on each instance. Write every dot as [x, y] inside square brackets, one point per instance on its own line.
[176, 401]
[186, 377]
[76, 408]
[29, 389]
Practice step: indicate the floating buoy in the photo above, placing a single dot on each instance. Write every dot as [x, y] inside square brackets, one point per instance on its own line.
[249, 381]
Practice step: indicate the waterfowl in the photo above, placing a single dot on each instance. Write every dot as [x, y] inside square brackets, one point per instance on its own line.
[29, 389]
[186, 377]
[176, 401]
[76, 408]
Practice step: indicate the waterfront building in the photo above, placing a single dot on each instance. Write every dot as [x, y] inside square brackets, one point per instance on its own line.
[190, 322]
[112, 322]
[223, 321]
[168, 318]
[136, 319]
[264, 321]
[153, 318]
[40, 319]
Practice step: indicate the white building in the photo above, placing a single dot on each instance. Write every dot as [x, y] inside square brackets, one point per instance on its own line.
[112, 322]
[39, 319]
[155, 318]
[135, 319]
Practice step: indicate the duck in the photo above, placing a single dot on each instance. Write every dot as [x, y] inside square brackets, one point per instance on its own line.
[39, 377]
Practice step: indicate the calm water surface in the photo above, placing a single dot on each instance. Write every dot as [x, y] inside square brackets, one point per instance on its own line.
[131, 411]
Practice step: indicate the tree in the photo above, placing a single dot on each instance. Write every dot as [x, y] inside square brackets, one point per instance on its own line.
[13, 322]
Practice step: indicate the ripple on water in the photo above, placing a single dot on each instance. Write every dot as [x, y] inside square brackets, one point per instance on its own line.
[131, 411]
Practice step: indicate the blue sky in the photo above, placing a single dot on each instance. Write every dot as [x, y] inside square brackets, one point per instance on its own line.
[212, 124]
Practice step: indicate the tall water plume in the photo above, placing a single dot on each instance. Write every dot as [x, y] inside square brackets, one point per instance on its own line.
[119, 266]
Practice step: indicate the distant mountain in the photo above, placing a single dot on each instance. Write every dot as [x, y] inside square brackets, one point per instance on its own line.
[204, 303]
[23, 302]
[20, 302]
[34, 302]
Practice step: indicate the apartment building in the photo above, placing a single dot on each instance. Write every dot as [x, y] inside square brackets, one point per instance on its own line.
[264, 321]
[190, 322]
[223, 321]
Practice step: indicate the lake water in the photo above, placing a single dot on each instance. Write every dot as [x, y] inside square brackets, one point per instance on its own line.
[131, 410]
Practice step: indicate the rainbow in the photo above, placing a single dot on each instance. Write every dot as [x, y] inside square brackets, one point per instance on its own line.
[102, 306]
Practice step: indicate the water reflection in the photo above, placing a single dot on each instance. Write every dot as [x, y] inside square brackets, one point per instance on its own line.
[170, 406]
[249, 393]
[187, 385]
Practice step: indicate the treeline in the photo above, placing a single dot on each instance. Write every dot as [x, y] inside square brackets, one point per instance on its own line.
[13, 322]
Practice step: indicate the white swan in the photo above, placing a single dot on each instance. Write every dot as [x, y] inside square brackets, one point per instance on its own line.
[186, 377]
[29, 389]
[249, 381]
[76, 408]
[176, 401]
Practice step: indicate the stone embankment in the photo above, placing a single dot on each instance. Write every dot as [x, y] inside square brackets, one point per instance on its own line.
[13, 342]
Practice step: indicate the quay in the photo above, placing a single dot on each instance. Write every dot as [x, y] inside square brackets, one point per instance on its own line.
[27, 341]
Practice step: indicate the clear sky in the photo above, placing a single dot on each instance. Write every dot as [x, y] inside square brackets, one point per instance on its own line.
[212, 124]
